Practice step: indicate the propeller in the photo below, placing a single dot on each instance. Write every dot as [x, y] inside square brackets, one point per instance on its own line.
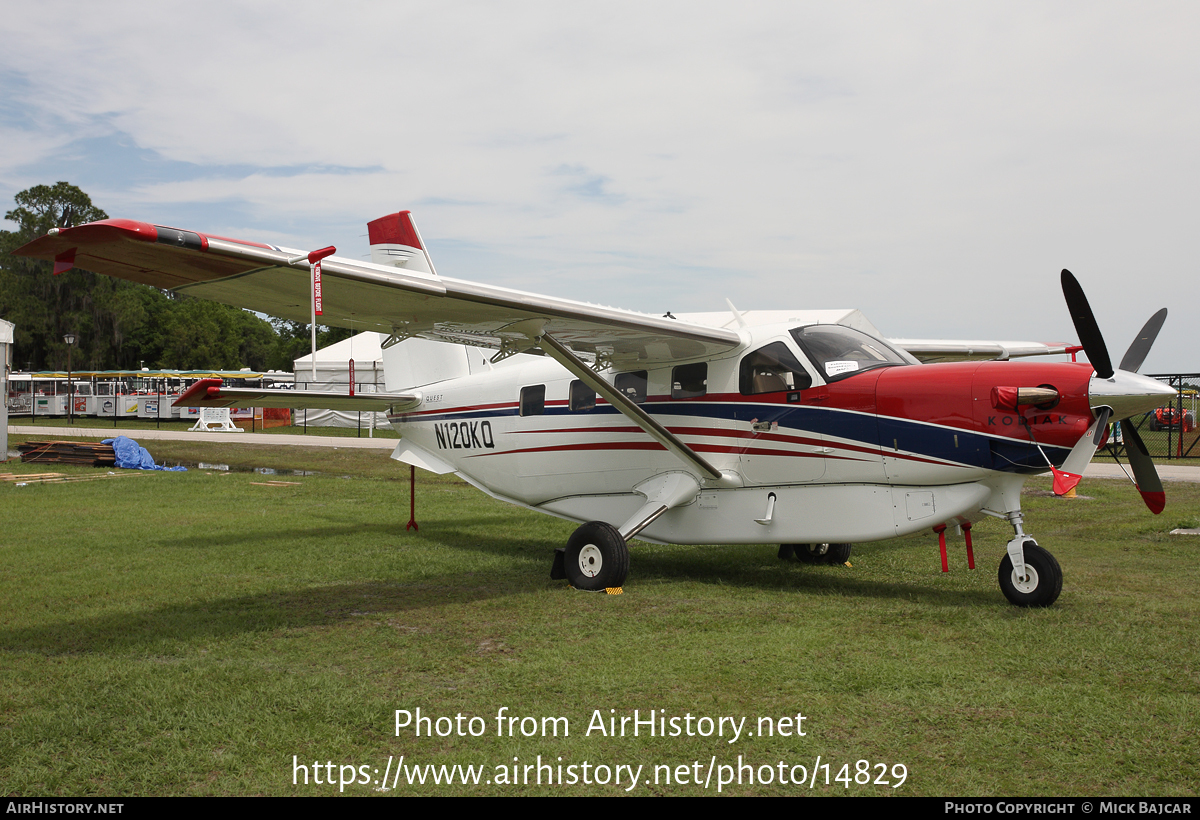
[1136, 354]
[1085, 325]
[1148, 482]
[1128, 393]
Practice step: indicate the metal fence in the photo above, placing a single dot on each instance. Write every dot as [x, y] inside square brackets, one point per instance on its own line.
[1170, 432]
[154, 404]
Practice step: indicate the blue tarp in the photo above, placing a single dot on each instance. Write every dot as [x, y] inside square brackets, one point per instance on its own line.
[132, 456]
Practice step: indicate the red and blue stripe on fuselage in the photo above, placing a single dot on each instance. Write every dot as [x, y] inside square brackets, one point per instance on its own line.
[937, 413]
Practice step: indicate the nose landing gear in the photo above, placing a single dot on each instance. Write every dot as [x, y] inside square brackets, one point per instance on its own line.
[1041, 582]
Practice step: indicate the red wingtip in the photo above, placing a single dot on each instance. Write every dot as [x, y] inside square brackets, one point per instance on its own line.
[1156, 501]
[197, 393]
[1065, 482]
[393, 229]
[64, 261]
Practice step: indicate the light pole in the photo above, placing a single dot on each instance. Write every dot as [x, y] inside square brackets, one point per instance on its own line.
[69, 338]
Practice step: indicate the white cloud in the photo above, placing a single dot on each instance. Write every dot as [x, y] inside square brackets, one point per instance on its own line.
[934, 164]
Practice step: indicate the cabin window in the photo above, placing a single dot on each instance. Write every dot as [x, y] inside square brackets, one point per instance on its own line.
[772, 369]
[839, 351]
[632, 385]
[533, 400]
[582, 397]
[689, 381]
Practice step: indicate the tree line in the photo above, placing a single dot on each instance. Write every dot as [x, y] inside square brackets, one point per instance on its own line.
[122, 325]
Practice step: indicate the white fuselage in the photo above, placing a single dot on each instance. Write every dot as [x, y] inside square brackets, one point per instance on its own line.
[494, 427]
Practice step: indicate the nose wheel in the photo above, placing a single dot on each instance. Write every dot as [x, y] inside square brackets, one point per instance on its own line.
[1042, 581]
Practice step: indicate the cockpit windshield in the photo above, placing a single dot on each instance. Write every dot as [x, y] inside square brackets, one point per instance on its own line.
[838, 351]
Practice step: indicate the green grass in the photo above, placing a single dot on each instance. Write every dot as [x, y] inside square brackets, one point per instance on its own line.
[189, 633]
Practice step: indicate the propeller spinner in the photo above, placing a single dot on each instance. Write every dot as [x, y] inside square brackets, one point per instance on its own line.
[1122, 390]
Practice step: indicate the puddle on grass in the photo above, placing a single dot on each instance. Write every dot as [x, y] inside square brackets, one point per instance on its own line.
[225, 468]
[220, 468]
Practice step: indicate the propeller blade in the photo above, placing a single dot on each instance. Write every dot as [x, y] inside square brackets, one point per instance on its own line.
[1148, 482]
[1085, 326]
[1081, 454]
[1136, 354]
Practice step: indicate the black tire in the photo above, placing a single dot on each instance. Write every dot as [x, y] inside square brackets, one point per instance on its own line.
[809, 553]
[1044, 583]
[597, 557]
[787, 552]
[820, 553]
[838, 554]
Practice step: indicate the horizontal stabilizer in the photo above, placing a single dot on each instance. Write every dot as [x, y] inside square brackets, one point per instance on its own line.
[210, 393]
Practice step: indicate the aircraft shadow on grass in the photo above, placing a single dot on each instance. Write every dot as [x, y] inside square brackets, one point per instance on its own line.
[739, 567]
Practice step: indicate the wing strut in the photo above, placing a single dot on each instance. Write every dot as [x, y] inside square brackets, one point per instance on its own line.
[563, 355]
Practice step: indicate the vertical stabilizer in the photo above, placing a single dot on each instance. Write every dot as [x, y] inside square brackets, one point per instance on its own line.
[396, 242]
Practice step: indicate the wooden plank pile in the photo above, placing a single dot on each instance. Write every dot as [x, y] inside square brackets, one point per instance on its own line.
[86, 453]
[21, 479]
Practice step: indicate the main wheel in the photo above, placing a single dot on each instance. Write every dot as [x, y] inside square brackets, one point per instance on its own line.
[597, 557]
[1043, 581]
[810, 553]
[838, 554]
[820, 553]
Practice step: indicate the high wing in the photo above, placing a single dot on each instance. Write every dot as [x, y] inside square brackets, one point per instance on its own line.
[399, 299]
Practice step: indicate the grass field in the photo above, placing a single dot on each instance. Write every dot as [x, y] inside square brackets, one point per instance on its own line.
[189, 633]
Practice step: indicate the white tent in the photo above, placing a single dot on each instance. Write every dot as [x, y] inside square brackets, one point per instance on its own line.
[333, 375]
[6, 341]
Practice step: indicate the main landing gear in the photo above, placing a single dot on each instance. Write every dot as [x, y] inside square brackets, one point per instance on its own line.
[835, 554]
[595, 558]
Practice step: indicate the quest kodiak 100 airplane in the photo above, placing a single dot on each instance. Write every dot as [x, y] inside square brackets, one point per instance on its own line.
[800, 428]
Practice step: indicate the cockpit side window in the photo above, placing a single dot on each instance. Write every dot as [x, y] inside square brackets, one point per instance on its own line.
[771, 369]
[838, 351]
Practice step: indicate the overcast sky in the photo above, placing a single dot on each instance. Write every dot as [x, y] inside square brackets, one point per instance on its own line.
[933, 164]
